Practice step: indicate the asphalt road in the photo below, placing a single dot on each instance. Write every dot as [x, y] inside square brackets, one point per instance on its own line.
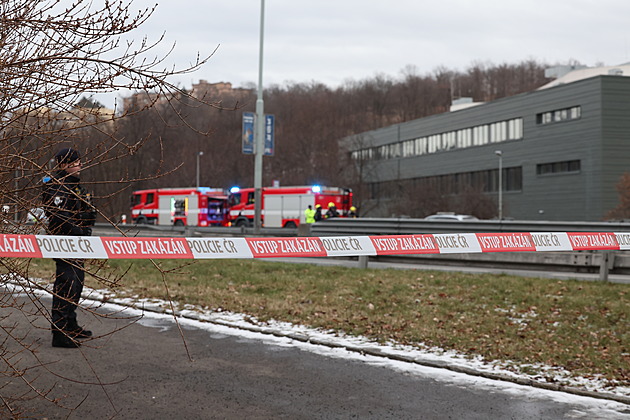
[140, 370]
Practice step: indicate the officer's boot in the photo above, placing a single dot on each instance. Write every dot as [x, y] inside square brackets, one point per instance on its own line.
[75, 331]
[60, 339]
[81, 333]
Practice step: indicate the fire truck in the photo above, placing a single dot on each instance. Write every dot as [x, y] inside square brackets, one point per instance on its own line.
[284, 206]
[180, 206]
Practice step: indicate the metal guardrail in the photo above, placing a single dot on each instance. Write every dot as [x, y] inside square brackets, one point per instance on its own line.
[374, 226]
[602, 262]
[404, 226]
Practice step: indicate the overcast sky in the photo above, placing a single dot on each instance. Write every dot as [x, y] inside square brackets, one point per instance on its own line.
[333, 41]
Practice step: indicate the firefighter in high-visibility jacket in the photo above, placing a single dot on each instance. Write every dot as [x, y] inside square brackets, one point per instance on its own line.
[70, 212]
[309, 215]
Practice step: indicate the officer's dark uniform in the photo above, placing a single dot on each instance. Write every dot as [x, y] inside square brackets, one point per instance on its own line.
[69, 212]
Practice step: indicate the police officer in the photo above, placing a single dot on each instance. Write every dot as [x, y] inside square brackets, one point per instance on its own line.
[70, 212]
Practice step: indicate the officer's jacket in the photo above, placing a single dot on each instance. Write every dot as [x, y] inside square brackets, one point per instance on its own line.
[68, 206]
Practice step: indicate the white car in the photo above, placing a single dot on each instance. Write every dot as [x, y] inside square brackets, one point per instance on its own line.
[451, 217]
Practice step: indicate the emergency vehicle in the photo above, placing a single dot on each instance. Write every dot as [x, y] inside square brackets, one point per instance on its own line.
[180, 206]
[284, 206]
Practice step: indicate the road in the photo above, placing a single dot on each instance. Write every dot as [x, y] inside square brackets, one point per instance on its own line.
[142, 371]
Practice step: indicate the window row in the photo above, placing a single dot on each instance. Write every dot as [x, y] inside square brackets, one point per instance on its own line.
[558, 167]
[559, 115]
[486, 181]
[457, 139]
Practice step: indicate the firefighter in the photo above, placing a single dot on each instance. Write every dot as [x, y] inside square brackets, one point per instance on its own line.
[318, 212]
[353, 212]
[332, 211]
[70, 212]
[309, 215]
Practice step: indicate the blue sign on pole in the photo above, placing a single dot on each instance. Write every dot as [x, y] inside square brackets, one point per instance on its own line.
[269, 135]
[248, 133]
[249, 124]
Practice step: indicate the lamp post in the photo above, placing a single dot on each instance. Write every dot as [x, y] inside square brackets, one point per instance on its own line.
[500, 154]
[259, 130]
[199, 154]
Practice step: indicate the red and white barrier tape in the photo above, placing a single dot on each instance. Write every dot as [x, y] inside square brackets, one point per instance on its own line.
[50, 246]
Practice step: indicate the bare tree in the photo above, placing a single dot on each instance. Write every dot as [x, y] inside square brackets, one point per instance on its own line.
[622, 210]
[359, 168]
[52, 53]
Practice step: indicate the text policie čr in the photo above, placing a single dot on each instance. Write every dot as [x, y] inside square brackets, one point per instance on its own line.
[213, 246]
[546, 240]
[65, 245]
[341, 244]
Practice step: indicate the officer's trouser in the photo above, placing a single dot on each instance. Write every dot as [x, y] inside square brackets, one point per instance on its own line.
[69, 277]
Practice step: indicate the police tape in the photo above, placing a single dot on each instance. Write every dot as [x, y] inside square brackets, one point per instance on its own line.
[87, 247]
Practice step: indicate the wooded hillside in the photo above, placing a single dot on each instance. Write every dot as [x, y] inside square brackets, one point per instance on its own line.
[310, 120]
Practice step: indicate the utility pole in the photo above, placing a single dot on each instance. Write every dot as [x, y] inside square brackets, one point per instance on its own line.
[259, 149]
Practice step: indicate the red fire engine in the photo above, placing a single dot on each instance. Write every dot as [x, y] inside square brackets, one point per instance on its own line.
[180, 206]
[284, 206]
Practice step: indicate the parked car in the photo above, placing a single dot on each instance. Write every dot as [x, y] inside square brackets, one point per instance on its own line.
[450, 216]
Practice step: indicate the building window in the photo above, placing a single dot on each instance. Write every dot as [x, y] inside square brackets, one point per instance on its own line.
[486, 181]
[464, 138]
[480, 135]
[409, 148]
[559, 115]
[567, 166]
[515, 129]
[513, 179]
[449, 140]
[576, 112]
[421, 146]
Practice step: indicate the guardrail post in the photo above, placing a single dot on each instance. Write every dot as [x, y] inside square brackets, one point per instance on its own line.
[363, 261]
[607, 262]
[304, 229]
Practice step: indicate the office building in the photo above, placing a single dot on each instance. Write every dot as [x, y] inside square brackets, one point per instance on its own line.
[562, 149]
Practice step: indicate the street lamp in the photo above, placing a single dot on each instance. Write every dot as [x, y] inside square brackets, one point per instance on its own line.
[500, 154]
[259, 130]
[198, 155]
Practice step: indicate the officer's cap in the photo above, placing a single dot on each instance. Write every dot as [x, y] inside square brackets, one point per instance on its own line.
[67, 155]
